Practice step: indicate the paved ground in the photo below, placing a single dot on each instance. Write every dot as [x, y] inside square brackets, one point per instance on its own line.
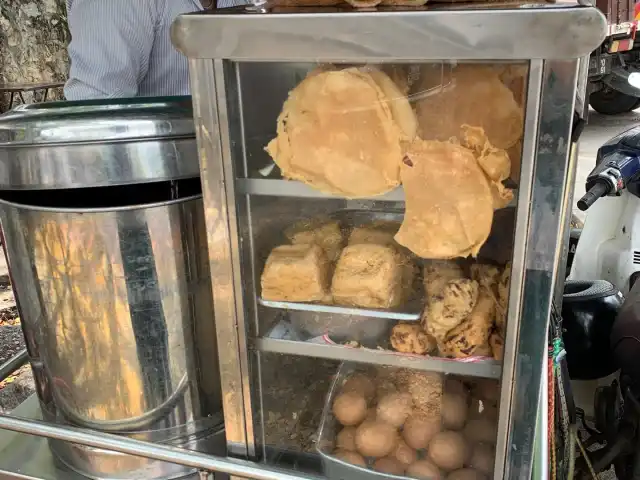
[16, 388]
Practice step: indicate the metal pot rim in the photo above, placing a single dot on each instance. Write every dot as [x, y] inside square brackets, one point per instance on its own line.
[140, 206]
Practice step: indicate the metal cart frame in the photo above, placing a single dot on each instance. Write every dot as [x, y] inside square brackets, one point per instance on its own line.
[551, 37]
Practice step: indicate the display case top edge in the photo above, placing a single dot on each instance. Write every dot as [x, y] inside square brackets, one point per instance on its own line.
[526, 32]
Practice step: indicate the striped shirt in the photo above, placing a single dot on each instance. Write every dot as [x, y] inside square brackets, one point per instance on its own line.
[122, 48]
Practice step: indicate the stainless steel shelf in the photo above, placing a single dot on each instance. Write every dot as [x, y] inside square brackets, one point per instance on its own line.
[410, 316]
[484, 369]
[290, 188]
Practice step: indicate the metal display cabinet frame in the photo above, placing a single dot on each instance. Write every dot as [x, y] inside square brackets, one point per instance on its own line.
[551, 37]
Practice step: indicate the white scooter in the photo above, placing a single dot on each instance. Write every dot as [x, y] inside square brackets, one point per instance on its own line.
[609, 244]
[608, 249]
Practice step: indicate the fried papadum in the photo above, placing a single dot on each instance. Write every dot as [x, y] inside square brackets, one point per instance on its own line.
[468, 95]
[344, 132]
[449, 204]
[495, 163]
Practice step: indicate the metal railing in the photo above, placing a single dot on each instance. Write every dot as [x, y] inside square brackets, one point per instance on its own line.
[138, 448]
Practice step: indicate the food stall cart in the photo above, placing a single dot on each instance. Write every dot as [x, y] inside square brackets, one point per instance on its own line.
[331, 137]
[384, 193]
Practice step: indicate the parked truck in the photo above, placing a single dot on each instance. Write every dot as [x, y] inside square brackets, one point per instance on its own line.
[612, 87]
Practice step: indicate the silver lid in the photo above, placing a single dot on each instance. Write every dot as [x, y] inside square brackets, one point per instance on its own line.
[97, 143]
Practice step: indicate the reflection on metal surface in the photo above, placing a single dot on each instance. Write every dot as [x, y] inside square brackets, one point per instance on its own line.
[118, 302]
[97, 143]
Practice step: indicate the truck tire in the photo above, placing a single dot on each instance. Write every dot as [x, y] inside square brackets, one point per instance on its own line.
[611, 102]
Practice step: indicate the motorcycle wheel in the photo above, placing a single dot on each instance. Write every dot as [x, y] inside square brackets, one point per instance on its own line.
[611, 102]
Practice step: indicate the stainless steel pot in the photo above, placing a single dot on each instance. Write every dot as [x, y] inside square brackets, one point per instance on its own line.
[119, 303]
[112, 279]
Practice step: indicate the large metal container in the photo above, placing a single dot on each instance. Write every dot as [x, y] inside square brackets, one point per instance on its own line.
[110, 269]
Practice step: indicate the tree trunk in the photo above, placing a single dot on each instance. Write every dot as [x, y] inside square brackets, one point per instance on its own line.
[33, 42]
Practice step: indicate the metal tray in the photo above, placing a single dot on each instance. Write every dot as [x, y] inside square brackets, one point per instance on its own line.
[334, 316]
[334, 468]
[335, 309]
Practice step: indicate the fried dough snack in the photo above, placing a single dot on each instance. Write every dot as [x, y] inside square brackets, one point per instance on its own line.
[449, 204]
[296, 273]
[471, 337]
[497, 345]
[342, 132]
[471, 95]
[410, 338]
[379, 233]
[382, 233]
[437, 274]
[327, 234]
[503, 298]
[446, 311]
[486, 275]
[369, 276]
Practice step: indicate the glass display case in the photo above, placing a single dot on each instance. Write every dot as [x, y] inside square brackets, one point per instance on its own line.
[384, 196]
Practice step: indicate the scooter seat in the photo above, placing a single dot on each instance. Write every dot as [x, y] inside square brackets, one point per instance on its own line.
[589, 310]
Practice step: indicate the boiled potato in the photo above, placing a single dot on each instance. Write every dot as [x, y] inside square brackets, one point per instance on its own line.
[448, 450]
[482, 458]
[481, 430]
[385, 387]
[360, 383]
[346, 439]
[419, 430]
[424, 470]
[350, 408]
[454, 411]
[376, 439]
[350, 457]
[389, 465]
[488, 390]
[394, 408]
[404, 453]
[455, 386]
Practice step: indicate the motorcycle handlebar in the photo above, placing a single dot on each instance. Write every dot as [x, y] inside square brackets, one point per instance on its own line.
[600, 189]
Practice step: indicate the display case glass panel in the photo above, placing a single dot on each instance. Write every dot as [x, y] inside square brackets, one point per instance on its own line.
[375, 210]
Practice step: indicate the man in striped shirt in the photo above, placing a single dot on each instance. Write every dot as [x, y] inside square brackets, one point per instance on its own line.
[122, 48]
